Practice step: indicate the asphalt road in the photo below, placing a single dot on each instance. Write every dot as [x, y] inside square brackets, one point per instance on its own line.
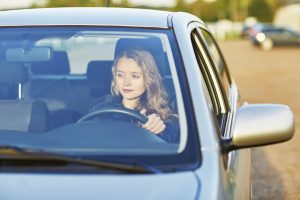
[270, 77]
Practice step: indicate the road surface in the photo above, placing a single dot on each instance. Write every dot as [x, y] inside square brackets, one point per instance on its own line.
[270, 77]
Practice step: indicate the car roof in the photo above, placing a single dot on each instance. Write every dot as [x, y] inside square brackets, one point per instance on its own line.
[85, 16]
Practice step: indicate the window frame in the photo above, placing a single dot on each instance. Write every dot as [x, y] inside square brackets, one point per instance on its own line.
[212, 79]
[225, 71]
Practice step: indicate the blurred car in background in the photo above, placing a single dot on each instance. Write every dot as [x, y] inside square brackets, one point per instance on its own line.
[268, 36]
[247, 26]
[245, 31]
[249, 31]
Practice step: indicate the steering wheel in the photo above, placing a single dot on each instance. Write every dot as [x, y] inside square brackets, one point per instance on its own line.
[118, 110]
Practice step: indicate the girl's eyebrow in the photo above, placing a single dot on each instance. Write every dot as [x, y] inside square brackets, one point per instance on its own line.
[141, 73]
[137, 73]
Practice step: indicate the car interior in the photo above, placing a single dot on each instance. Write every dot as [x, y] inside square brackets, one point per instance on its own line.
[41, 96]
[18, 113]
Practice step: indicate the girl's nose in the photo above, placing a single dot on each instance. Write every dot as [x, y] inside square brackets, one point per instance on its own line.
[127, 80]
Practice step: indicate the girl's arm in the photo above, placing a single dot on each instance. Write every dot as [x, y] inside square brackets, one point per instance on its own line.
[172, 131]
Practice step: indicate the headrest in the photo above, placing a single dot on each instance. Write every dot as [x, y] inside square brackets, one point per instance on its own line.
[58, 65]
[153, 45]
[12, 73]
[23, 115]
[99, 72]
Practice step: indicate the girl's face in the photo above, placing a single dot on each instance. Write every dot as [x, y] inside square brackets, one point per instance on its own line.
[129, 80]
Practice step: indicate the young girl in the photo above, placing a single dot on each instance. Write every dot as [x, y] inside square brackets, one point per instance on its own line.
[137, 85]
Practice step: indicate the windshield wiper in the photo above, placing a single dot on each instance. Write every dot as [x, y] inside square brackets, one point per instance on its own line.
[136, 167]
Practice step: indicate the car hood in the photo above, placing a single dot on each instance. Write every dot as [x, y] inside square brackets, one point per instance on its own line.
[183, 185]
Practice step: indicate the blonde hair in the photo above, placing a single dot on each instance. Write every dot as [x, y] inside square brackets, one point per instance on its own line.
[155, 98]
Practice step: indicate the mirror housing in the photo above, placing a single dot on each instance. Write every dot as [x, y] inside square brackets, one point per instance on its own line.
[34, 54]
[260, 124]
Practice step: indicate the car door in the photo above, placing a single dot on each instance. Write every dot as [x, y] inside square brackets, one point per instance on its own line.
[225, 99]
[290, 37]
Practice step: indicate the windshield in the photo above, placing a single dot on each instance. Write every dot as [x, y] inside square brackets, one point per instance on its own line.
[91, 91]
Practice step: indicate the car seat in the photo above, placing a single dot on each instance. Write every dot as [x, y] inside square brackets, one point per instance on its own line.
[58, 65]
[99, 76]
[48, 83]
[151, 44]
[17, 113]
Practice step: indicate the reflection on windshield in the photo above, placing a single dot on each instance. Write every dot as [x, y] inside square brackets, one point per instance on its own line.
[97, 93]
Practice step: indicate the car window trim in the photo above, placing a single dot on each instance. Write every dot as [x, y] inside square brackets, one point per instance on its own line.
[221, 91]
[220, 53]
[223, 108]
[207, 78]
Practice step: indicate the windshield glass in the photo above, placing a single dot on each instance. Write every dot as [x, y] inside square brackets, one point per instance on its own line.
[90, 91]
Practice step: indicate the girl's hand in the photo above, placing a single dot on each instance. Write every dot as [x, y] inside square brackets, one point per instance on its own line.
[154, 124]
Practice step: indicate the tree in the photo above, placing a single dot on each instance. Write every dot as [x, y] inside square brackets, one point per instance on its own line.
[74, 3]
[181, 5]
[261, 10]
[206, 11]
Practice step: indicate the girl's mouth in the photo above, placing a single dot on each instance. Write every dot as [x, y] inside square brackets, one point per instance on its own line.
[127, 90]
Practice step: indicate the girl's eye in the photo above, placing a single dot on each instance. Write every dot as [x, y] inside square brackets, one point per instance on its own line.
[135, 76]
[120, 75]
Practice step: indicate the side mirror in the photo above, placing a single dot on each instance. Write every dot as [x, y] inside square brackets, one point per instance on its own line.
[261, 124]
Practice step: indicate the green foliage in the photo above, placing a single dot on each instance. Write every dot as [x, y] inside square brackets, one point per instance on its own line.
[122, 4]
[206, 11]
[74, 3]
[261, 10]
[85, 3]
[210, 11]
[236, 10]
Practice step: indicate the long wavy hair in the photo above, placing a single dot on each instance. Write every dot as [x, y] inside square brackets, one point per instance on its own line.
[155, 98]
